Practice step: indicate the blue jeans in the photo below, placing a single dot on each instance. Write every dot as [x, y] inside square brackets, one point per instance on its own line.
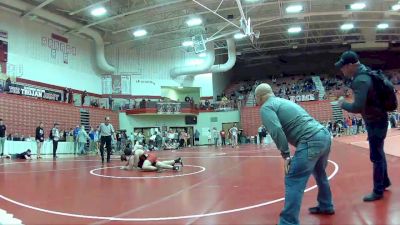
[376, 137]
[82, 147]
[311, 157]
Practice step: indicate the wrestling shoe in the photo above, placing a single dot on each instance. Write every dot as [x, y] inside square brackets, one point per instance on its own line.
[317, 210]
[176, 168]
[179, 161]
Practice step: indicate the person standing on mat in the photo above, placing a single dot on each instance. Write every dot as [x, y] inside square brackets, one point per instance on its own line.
[375, 116]
[55, 136]
[287, 122]
[3, 135]
[39, 136]
[234, 135]
[222, 134]
[106, 131]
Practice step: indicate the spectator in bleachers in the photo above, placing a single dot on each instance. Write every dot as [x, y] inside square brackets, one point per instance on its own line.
[65, 94]
[3, 134]
[70, 96]
[83, 97]
[110, 102]
[142, 104]
[7, 85]
[39, 137]
[207, 104]
[135, 103]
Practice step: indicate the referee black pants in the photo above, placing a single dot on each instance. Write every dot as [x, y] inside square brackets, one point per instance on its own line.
[55, 146]
[107, 141]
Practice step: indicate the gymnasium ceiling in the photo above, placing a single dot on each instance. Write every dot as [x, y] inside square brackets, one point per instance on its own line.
[165, 23]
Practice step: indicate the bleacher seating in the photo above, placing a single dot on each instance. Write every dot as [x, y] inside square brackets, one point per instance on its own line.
[23, 114]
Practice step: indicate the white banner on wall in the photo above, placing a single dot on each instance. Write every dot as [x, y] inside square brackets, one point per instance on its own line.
[106, 82]
[302, 98]
[126, 85]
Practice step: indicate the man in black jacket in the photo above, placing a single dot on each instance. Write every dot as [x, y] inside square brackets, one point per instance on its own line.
[375, 116]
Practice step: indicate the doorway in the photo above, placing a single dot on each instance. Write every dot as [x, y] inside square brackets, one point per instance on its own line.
[189, 130]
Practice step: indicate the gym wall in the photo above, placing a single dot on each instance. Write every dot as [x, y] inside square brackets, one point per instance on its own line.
[29, 46]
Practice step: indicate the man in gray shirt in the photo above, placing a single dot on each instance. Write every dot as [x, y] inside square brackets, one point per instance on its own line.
[367, 102]
[287, 122]
[55, 136]
[106, 131]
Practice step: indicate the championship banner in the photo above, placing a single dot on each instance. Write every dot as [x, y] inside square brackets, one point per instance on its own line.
[3, 52]
[19, 89]
[116, 84]
[303, 98]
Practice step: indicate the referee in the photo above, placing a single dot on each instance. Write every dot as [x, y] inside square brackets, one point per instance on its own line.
[106, 130]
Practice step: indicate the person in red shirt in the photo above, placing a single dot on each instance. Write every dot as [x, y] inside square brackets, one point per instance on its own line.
[222, 134]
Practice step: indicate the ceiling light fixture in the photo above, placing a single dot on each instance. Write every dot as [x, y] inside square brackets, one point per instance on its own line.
[194, 22]
[202, 55]
[383, 26]
[187, 44]
[98, 11]
[293, 30]
[396, 7]
[347, 26]
[139, 33]
[294, 8]
[358, 6]
[239, 36]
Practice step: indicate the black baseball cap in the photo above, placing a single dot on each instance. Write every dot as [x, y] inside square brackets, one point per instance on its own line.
[346, 58]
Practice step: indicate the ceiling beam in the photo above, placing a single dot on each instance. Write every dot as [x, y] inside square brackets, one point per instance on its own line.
[183, 16]
[32, 11]
[87, 7]
[262, 28]
[129, 13]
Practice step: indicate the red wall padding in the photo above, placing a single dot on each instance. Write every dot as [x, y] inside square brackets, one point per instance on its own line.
[23, 114]
[250, 116]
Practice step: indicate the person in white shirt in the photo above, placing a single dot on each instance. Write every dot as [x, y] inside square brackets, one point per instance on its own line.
[82, 139]
[215, 136]
[234, 135]
[106, 132]
[55, 136]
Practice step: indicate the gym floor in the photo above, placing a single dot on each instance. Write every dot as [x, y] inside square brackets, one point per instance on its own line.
[216, 186]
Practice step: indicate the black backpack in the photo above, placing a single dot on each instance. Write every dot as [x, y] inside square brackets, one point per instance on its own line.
[385, 90]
